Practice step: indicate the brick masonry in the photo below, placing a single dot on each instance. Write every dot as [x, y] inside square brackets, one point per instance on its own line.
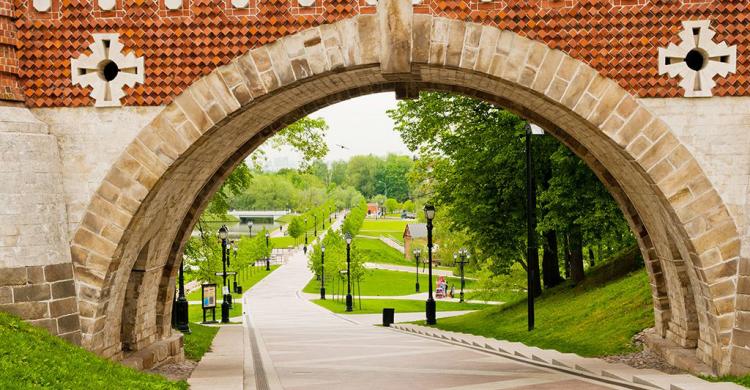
[43, 295]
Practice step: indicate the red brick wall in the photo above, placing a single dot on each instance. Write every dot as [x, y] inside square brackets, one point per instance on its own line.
[619, 38]
[10, 87]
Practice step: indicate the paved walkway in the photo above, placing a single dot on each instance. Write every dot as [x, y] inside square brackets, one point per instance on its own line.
[295, 344]
[222, 367]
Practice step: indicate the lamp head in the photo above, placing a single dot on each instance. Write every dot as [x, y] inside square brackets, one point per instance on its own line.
[429, 212]
[348, 238]
[323, 248]
[268, 234]
[417, 252]
[223, 232]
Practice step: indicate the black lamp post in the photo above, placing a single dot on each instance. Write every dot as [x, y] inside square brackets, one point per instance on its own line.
[322, 271]
[223, 233]
[532, 253]
[181, 305]
[250, 227]
[305, 232]
[268, 255]
[235, 248]
[349, 300]
[463, 254]
[315, 231]
[429, 213]
[417, 253]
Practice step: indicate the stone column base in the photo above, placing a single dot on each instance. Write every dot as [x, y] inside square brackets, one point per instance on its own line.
[676, 355]
[169, 350]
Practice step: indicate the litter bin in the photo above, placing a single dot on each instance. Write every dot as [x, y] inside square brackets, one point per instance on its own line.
[238, 289]
[388, 315]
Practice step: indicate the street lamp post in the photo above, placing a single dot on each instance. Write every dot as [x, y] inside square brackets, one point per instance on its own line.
[315, 228]
[268, 255]
[223, 233]
[417, 253]
[305, 236]
[235, 248]
[322, 271]
[463, 254]
[429, 212]
[532, 253]
[250, 227]
[349, 300]
[181, 305]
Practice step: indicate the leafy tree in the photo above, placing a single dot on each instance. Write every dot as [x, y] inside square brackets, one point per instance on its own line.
[471, 164]
[296, 228]
[391, 205]
[408, 206]
[361, 173]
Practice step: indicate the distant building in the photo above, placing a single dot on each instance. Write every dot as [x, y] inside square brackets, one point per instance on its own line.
[414, 233]
[373, 209]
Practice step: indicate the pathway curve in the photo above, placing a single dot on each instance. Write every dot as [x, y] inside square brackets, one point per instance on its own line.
[294, 344]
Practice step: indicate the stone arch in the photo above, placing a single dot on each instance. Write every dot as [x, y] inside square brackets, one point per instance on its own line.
[162, 181]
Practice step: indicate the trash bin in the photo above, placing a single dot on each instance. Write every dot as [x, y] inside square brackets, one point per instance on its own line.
[388, 315]
[238, 290]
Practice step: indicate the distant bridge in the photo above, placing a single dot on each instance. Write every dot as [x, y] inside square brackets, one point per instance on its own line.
[245, 215]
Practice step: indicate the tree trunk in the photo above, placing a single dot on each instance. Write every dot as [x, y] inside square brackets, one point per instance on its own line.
[566, 255]
[576, 254]
[550, 264]
[592, 262]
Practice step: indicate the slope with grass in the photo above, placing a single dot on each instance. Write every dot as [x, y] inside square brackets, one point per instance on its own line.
[598, 317]
[376, 251]
[384, 227]
[375, 306]
[385, 283]
[199, 341]
[32, 358]
[247, 279]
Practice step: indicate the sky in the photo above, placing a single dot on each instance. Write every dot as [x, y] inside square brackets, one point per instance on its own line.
[361, 125]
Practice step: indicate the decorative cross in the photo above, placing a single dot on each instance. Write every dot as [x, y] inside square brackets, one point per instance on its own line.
[107, 70]
[697, 59]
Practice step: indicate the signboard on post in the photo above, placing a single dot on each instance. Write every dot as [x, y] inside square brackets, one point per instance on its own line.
[208, 301]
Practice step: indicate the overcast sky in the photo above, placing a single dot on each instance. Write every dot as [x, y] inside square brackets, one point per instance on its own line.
[360, 125]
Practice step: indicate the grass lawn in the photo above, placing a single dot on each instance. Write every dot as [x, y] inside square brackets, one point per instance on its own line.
[283, 242]
[377, 251]
[246, 279]
[385, 227]
[591, 319]
[198, 342]
[195, 313]
[385, 283]
[375, 306]
[285, 219]
[32, 358]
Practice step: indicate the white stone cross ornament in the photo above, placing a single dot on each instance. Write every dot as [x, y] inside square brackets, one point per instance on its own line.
[107, 70]
[697, 59]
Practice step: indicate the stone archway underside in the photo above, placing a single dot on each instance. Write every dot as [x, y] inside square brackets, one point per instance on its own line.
[146, 206]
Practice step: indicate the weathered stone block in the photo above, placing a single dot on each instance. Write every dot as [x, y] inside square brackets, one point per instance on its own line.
[6, 295]
[63, 289]
[47, 323]
[31, 293]
[69, 323]
[61, 307]
[27, 310]
[12, 276]
[395, 21]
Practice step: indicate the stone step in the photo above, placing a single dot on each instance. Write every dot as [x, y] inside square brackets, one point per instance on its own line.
[664, 381]
[705, 385]
[626, 373]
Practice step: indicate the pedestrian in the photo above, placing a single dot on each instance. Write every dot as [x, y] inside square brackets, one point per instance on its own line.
[304, 249]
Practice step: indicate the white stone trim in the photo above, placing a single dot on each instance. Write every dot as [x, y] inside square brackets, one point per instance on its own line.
[720, 58]
[87, 71]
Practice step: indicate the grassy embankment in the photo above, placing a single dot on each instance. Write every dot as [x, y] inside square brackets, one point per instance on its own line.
[598, 317]
[32, 358]
[384, 227]
[386, 283]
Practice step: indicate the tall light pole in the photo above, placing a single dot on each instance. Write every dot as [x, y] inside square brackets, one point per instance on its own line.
[463, 254]
[417, 253]
[181, 305]
[315, 231]
[223, 233]
[349, 300]
[268, 254]
[235, 248]
[322, 271]
[532, 253]
[250, 227]
[305, 236]
[429, 213]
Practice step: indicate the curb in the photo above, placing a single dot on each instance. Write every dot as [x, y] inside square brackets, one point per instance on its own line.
[592, 368]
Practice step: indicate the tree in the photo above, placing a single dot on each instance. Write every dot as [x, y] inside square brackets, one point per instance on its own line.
[471, 163]
[391, 205]
[296, 228]
[361, 173]
[408, 206]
